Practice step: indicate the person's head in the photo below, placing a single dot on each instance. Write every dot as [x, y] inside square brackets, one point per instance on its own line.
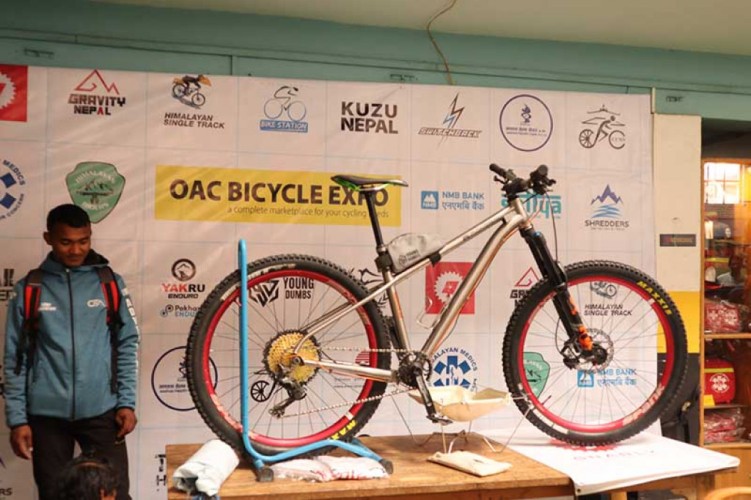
[69, 234]
[87, 478]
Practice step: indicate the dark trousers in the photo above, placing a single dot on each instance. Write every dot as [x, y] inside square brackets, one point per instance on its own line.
[54, 441]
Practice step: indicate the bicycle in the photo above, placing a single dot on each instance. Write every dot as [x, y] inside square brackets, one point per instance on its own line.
[188, 93]
[326, 347]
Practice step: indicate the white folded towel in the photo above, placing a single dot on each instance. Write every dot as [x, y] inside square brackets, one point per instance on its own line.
[207, 469]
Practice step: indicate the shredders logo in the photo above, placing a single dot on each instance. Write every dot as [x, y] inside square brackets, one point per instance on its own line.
[95, 96]
[369, 117]
[11, 189]
[441, 282]
[6, 284]
[606, 212]
[96, 187]
[454, 366]
[537, 371]
[449, 128]
[526, 123]
[13, 92]
[187, 90]
[549, 206]
[452, 200]
[523, 284]
[284, 112]
[169, 380]
[183, 270]
[603, 125]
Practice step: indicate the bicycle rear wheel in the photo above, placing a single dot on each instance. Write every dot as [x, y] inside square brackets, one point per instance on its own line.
[286, 293]
[640, 329]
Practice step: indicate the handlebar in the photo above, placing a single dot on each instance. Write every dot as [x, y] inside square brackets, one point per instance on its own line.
[538, 180]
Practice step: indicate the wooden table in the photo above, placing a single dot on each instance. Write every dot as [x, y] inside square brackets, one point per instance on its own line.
[415, 478]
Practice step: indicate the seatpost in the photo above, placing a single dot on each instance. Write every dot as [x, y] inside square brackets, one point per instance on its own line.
[369, 199]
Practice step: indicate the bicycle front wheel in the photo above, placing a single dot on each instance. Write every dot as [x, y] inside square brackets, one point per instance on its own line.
[643, 355]
[289, 406]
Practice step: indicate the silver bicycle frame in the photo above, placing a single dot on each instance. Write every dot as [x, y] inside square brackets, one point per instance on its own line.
[509, 220]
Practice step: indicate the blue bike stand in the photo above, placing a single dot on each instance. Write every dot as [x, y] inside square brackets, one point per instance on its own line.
[265, 473]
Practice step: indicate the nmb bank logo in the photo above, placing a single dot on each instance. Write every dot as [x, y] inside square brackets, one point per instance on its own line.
[454, 366]
[285, 112]
[606, 212]
[169, 380]
[452, 200]
[549, 206]
[12, 189]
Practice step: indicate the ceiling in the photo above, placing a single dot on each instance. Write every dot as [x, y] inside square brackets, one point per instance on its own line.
[719, 26]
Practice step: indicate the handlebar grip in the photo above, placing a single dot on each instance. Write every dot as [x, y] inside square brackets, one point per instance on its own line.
[498, 170]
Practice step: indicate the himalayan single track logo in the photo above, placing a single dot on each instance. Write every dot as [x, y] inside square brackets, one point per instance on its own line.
[12, 189]
[454, 366]
[603, 124]
[96, 187]
[526, 123]
[13, 92]
[606, 212]
[187, 89]
[95, 96]
[442, 280]
[285, 112]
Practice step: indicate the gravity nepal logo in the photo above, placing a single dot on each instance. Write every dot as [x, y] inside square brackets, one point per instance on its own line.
[369, 117]
[13, 92]
[450, 121]
[606, 214]
[523, 285]
[96, 96]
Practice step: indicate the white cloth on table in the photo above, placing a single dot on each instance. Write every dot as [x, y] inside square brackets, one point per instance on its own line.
[207, 468]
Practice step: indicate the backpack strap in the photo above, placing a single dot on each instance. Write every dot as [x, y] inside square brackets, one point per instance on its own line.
[114, 323]
[32, 293]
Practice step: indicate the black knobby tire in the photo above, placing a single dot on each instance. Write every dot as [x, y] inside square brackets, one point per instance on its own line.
[285, 292]
[637, 323]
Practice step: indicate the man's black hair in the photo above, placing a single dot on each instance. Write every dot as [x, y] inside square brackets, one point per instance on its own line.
[69, 214]
[86, 477]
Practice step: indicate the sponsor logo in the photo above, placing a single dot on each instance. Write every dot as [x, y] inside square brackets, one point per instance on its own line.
[289, 287]
[161, 476]
[609, 377]
[523, 284]
[549, 206]
[526, 123]
[95, 96]
[452, 200]
[187, 90]
[96, 187]
[442, 280]
[368, 117]
[13, 93]
[429, 200]
[606, 212]
[454, 366]
[603, 124]
[271, 196]
[47, 306]
[537, 371]
[94, 303]
[183, 270]
[179, 311]
[169, 380]
[449, 128]
[6, 284]
[11, 189]
[285, 112]
[264, 293]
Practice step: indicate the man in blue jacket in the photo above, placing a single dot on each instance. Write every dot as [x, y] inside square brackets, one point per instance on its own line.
[63, 392]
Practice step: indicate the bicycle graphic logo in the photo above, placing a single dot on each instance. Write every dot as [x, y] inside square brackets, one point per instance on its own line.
[187, 90]
[284, 113]
[604, 123]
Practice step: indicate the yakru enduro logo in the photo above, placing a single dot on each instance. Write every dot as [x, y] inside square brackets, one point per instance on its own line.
[442, 280]
[285, 112]
[183, 270]
[454, 366]
[369, 117]
[452, 200]
[549, 206]
[449, 128]
[169, 380]
[13, 92]
[12, 189]
[526, 123]
[606, 212]
[95, 96]
[602, 125]
[96, 187]
[6, 284]
[523, 285]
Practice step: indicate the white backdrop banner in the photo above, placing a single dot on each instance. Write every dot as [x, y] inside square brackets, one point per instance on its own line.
[172, 180]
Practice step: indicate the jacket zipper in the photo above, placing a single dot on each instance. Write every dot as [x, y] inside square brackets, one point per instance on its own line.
[72, 345]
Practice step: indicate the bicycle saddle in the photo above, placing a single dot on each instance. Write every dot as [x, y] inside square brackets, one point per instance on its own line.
[357, 183]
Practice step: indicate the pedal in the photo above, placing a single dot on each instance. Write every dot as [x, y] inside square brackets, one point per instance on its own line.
[427, 399]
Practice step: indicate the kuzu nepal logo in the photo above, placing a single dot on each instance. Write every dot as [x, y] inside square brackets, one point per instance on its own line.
[96, 187]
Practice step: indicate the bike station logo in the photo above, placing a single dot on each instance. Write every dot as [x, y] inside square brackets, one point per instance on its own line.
[13, 92]
[454, 366]
[523, 285]
[537, 371]
[369, 117]
[452, 200]
[183, 270]
[169, 380]
[526, 123]
[96, 187]
[6, 284]
[450, 121]
[187, 90]
[549, 206]
[96, 97]
[12, 189]
[441, 282]
[284, 112]
[603, 125]
[606, 212]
